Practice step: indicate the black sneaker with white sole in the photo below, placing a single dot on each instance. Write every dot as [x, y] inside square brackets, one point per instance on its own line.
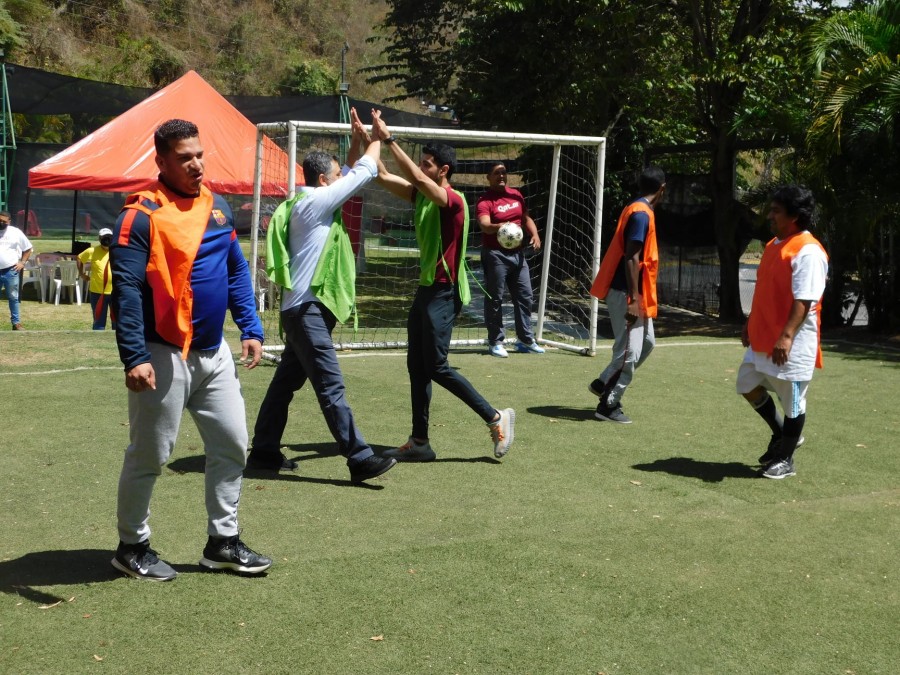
[231, 554]
[141, 562]
[596, 387]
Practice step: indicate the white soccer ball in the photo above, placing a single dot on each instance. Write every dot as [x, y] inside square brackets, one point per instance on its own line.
[510, 235]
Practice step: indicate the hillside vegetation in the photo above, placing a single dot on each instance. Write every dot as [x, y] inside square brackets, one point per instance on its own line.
[251, 47]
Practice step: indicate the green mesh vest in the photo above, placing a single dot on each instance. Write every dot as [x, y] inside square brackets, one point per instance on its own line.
[428, 236]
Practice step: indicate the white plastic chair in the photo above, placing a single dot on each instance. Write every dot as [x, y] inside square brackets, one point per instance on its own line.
[68, 278]
[32, 274]
[86, 280]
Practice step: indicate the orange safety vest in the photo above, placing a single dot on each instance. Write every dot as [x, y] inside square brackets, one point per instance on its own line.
[773, 297]
[176, 230]
[616, 251]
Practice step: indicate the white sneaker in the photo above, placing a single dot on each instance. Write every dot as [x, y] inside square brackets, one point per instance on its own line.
[502, 431]
[412, 452]
[532, 348]
[499, 350]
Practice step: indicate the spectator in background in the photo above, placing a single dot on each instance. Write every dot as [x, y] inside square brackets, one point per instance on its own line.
[15, 250]
[100, 278]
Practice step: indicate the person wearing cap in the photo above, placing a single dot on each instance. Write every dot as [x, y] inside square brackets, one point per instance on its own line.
[100, 288]
[15, 249]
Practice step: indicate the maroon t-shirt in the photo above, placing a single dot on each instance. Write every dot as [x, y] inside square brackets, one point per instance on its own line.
[502, 207]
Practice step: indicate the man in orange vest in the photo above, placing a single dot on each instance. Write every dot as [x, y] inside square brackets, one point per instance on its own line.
[627, 281]
[177, 267]
[782, 331]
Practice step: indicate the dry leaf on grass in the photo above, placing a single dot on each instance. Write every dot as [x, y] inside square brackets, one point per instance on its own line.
[377, 638]
[85, 616]
[97, 658]
[55, 604]
[635, 482]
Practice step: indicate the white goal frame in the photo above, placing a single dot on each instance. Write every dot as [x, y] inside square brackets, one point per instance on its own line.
[450, 135]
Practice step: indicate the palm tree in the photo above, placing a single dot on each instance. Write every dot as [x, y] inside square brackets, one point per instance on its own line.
[856, 57]
[853, 144]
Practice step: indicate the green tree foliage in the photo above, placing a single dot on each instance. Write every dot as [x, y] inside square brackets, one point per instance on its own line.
[853, 146]
[313, 77]
[739, 60]
[10, 32]
[638, 72]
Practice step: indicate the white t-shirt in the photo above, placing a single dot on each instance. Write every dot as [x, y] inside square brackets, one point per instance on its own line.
[311, 219]
[809, 270]
[13, 243]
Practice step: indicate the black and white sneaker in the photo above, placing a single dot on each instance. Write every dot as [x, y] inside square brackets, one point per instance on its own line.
[773, 450]
[780, 469]
[614, 414]
[230, 553]
[141, 562]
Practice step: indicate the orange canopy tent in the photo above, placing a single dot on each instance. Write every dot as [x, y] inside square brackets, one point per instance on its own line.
[119, 156]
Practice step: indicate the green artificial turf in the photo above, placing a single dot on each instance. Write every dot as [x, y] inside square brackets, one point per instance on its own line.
[591, 548]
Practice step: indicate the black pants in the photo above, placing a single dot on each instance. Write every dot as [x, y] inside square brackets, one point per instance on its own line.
[429, 327]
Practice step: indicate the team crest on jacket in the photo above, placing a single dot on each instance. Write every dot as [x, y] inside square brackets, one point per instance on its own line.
[219, 217]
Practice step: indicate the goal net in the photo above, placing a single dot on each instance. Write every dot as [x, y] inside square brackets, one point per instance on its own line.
[561, 178]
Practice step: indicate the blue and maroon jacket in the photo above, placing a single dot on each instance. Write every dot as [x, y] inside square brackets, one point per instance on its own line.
[177, 267]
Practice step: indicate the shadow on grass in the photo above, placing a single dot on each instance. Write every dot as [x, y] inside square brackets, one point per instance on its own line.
[861, 351]
[23, 575]
[197, 464]
[709, 472]
[561, 412]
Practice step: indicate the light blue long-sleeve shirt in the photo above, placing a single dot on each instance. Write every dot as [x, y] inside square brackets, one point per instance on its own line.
[311, 218]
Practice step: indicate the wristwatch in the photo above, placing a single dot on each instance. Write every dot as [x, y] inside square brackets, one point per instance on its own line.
[389, 140]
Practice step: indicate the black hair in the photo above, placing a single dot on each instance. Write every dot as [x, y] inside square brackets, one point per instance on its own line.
[797, 201]
[173, 130]
[316, 164]
[651, 179]
[5, 213]
[493, 165]
[444, 155]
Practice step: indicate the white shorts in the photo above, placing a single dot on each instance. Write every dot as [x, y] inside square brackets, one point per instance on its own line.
[791, 394]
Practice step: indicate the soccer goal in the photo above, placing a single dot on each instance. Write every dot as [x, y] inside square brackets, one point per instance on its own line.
[561, 178]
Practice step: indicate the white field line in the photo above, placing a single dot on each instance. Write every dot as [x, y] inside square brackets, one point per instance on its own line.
[394, 354]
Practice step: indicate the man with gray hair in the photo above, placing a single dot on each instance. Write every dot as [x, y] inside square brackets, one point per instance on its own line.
[316, 266]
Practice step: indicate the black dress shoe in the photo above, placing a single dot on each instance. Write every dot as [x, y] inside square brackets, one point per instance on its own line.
[370, 467]
[269, 461]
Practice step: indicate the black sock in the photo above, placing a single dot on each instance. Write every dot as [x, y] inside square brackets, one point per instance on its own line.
[793, 429]
[770, 414]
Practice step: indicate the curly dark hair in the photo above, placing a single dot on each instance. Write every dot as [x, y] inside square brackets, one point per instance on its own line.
[173, 130]
[798, 202]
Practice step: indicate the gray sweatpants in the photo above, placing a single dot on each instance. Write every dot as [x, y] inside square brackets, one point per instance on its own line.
[638, 339]
[205, 384]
